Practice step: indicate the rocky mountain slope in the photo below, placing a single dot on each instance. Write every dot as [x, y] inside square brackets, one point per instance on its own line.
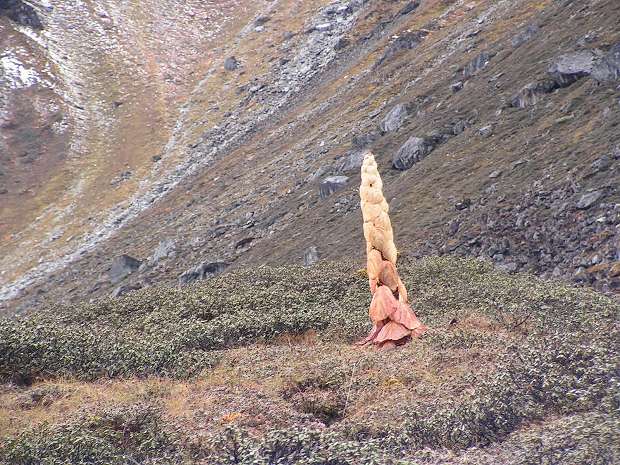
[168, 142]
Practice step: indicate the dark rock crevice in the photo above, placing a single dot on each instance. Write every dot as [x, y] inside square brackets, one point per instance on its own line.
[21, 13]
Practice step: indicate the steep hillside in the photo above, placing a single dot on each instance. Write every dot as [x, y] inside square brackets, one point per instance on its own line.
[257, 367]
[90, 92]
[503, 117]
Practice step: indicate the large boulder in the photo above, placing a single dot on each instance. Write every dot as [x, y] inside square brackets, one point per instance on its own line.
[352, 161]
[478, 63]
[568, 68]
[411, 152]
[203, 271]
[165, 249]
[311, 256]
[533, 92]
[525, 35]
[407, 41]
[122, 267]
[231, 64]
[395, 118]
[332, 184]
[589, 199]
[608, 69]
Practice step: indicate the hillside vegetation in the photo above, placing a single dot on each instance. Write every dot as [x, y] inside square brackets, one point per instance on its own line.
[257, 366]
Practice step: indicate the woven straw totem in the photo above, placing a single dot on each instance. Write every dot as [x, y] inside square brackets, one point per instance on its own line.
[394, 322]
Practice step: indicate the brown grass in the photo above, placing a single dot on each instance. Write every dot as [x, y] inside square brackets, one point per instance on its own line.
[296, 380]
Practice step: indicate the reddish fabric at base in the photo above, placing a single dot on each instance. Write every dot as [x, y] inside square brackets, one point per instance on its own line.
[394, 321]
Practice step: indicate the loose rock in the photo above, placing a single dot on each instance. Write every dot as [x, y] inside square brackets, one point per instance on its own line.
[332, 184]
[323, 27]
[203, 271]
[508, 267]
[409, 7]
[125, 288]
[412, 151]
[261, 20]
[602, 164]
[587, 200]
[122, 267]
[459, 127]
[568, 68]
[361, 141]
[231, 64]
[463, 204]
[395, 118]
[311, 256]
[342, 43]
[486, 131]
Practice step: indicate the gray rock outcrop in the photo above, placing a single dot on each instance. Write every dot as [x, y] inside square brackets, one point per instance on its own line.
[608, 69]
[411, 152]
[332, 184]
[165, 249]
[395, 118]
[122, 267]
[311, 256]
[477, 64]
[203, 271]
[533, 93]
[231, 64]
[568, 68]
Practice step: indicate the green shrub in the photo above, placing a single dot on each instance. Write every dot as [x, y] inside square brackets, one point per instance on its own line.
[114, 436]
[561, 369]
[174, 332]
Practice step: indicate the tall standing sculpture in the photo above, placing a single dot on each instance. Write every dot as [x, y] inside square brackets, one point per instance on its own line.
[394, 322]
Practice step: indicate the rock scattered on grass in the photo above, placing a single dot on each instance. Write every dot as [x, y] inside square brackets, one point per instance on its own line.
[411, 152]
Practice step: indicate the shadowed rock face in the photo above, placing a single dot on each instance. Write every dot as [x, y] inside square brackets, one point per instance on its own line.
[412, 152]
[608, 69]
[568, 68]
[394, 119]
[21, 13]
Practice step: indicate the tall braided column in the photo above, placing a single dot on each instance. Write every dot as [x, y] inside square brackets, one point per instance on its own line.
[394, 322]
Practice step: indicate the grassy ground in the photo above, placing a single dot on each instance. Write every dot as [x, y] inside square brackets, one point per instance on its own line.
[257, 366]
